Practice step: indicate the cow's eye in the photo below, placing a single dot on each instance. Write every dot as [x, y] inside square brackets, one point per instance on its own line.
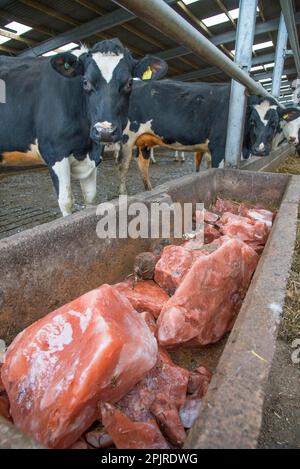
[128, 86]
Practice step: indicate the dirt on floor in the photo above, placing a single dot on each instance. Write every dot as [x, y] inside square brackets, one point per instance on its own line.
[281, 419]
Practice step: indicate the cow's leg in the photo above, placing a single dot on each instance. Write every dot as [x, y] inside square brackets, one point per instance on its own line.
[198, 160]
[176, 156]
[143, 163]
[182, 158]
[207, 159]
[122, 166]
[89, 188]
[152, 158]
[217, 156]
[61, 177]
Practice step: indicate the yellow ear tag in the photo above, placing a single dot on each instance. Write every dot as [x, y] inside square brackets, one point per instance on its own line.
[286, 116]
[147, 74]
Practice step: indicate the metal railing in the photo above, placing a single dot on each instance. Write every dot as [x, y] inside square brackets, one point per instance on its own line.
[162, 17]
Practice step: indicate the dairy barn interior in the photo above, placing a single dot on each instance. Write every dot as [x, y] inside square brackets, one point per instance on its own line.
[142, 340]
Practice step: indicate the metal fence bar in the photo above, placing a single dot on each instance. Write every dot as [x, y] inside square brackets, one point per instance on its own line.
[238, 99]
[161, 16]
[287, 7]
[280, 55]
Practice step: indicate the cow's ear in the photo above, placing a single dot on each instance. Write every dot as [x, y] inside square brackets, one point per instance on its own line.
[67, 64]
[288, 114]
[150, 68]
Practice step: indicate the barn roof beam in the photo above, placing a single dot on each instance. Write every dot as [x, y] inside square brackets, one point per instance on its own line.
[102, 23]
[206, 72]
[286, 71]
[224, 38]
[162, 17]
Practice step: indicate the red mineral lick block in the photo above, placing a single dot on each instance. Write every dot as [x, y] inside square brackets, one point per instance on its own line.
[57, 371]
[208, 300]
[198, 383]
[127, 434]
[163, 389]
[144, 295]
[245, 229]
[172, 267]
[210, 217]
[264, 216]
[210, 234]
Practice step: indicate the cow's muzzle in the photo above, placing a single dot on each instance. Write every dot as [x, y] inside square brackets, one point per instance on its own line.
[261, 150]
[105, 132]
[293, 141]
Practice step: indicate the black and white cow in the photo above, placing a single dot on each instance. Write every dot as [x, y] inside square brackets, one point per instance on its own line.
[68, 105]
[190, 117]
[268, 125]
[290, 125]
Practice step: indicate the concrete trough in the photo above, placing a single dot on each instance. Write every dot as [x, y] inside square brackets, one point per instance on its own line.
[46, 267]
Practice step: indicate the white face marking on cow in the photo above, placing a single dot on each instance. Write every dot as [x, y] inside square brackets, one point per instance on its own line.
[291, 130]
[261, 147]
[107, 63]
[262, 110]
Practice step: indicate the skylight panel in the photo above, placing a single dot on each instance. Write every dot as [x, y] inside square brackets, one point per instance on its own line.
[221, 18]
[18, 28]
[50, 53]
[216, 19]
[263, 45]
[188, 2]
[67, 47]
[258, 67]
[3, 39]
[235, 13]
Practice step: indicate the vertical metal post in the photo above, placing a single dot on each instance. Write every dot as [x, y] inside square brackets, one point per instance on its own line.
[279, 57]
[288, 10]
[238, 100]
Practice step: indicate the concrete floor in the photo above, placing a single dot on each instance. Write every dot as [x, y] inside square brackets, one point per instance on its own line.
[28, 198]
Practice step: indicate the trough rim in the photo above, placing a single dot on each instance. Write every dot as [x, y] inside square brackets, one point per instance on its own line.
[207, 431]
[238, 425]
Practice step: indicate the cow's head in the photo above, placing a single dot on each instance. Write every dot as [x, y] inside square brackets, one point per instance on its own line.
[290, 124]
[262, 122]
[107, 73]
